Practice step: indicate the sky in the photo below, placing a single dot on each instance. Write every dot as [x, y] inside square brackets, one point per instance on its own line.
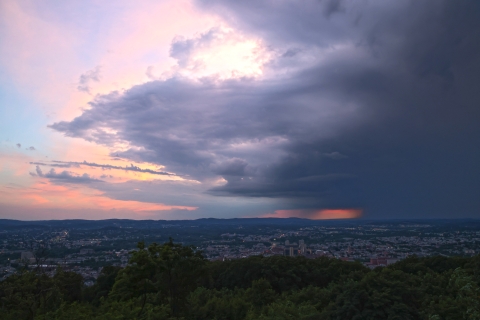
[187, 109]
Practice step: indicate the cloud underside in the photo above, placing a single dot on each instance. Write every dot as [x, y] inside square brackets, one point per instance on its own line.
[363, 105]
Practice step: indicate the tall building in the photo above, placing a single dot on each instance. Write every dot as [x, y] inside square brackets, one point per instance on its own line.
[301, 246]
[291, 251]
[294, 249]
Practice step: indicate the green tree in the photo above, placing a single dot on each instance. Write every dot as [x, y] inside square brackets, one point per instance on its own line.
[25, 295]
[383, 294]
[69, 284]
[464, 304]
[170, 271]
[103, 286]
[225, 304]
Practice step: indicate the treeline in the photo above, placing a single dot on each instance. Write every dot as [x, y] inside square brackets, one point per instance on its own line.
[172, 281]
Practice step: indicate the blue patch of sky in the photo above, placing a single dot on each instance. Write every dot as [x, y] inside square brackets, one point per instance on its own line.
[21, 121]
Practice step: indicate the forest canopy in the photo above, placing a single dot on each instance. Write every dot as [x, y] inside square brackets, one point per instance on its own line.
[172, 281]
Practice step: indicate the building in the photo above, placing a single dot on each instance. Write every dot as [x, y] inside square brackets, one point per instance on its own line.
[291, 250]
[294, 249]
[86, 251]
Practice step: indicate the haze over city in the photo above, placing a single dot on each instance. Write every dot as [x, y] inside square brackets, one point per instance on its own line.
[238, 109]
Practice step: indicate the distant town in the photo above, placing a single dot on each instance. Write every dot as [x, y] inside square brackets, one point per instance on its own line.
[86, 247]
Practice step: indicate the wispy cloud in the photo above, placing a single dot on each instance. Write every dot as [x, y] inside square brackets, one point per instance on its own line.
[131, 167]
[56, 165]
[87, 78]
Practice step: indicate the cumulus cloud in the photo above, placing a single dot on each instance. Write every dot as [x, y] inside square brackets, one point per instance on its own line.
[87, 78]
[71, 177]
[393, 85]
[39, 171]
[64, 176]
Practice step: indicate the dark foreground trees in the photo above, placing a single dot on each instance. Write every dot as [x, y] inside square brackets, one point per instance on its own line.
[160, 275]
[172, 281]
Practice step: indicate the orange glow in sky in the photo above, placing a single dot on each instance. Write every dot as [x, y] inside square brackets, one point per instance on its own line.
[48, 195]
[317, 214]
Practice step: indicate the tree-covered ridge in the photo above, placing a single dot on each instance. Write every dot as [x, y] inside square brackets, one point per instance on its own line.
[172, 281]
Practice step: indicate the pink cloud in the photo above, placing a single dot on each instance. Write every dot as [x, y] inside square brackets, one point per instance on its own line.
[46, 196]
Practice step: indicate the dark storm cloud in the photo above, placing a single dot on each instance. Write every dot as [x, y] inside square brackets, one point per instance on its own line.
[335, 155]
[232, 167]
[316, 22]
[196, 128]
[385, 117]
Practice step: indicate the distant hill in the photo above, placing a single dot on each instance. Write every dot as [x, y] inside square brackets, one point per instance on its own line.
[154, 224]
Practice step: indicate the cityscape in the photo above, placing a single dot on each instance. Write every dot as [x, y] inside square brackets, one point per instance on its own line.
[85, 247]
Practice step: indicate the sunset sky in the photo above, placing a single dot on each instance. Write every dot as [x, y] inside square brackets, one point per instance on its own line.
[219, 108]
